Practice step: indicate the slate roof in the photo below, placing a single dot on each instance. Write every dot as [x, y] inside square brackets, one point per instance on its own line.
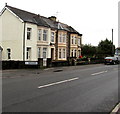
[41, 20]
[24, 15]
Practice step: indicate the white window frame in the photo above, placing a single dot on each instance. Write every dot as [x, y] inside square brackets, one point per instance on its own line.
[39, 34]
[52, 36]
[28, 53]
[39, 52]
[44, 52]
[64, 38]
[60, 38]
[45, 35]
[8, 53]
[72, 40]
[64, 53]
[75, 53]
[78, 41]
[60, 53]
[75, 39]
[29, 33]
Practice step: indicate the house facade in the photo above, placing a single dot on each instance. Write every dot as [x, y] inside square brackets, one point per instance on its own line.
[27, 36]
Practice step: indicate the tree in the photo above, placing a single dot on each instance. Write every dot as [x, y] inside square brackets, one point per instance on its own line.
[105, 48]
[88, 50]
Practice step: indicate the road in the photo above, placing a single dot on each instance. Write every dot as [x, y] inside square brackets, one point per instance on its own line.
[87, 88]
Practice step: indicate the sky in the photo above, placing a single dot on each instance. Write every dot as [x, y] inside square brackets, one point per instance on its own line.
[95, 19]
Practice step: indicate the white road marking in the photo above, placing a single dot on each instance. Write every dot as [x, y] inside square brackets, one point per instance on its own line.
[98, 73]
[56, 83]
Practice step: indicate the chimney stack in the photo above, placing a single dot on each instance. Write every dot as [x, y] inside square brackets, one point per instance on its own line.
[5, 4]
[53, 18]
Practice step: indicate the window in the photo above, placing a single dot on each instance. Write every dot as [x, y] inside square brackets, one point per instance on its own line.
[64, 38]
[75, 40]
[9, 53]
[72, 53]
[52, 36]
[60, 53]
[79, 41]
[44, 52]
[29, 33]
[63, 53]
[45, 35]
[39, 34]
[75, 52]
[28, 53]
[60, 37]
[72, 40]
[79, 53]
[39, 51]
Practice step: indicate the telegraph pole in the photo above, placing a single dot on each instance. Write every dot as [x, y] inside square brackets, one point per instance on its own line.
[112, 44]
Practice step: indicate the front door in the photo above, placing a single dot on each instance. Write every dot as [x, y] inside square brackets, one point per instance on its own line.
[52, 53]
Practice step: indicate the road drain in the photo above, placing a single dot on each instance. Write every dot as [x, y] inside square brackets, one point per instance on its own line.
[58, 70]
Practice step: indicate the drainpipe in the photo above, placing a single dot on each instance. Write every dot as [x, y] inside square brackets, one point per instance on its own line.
[24, 42]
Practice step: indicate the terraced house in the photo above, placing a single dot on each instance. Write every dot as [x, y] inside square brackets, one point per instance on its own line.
[27, 36]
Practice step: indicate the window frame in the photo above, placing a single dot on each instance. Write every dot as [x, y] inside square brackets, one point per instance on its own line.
[8, 53]
[39, 52]
[52, 36]
[60, 38]
[29, 33]
[64, 38]
[39, 34]
[78, 41]
[72, 40]
[44, 52]
[64, 53]
[60, 53]
[28, 53]
[45, 35]
[75, 39]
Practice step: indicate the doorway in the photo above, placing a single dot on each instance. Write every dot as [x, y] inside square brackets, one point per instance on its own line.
[52, 53]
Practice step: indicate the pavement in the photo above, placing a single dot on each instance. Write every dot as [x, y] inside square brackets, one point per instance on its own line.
[116, 109]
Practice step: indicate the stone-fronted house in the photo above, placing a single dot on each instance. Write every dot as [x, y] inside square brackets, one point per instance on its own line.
[27, 36]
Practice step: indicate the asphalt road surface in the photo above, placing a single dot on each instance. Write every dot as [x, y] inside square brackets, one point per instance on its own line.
[87, 88]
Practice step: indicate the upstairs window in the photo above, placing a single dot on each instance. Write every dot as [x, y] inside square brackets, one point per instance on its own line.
[9, 53]
[29, 30]
[72, 40]
[52, 36]
[45, 32]
[75, 40]
[39, 34]
[64, 38]
[60, 37]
